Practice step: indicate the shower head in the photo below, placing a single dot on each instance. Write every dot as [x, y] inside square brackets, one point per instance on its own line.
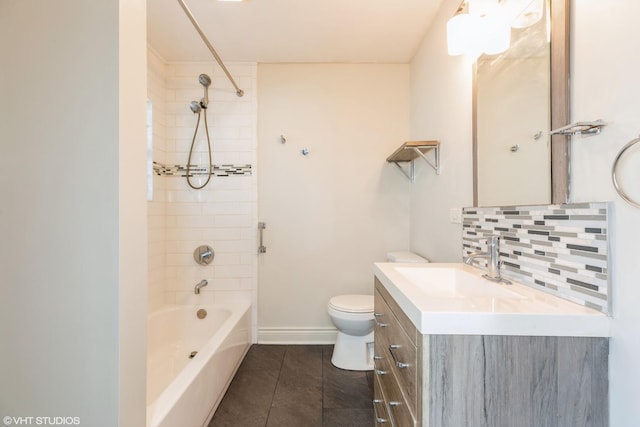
[206, 82]
[195, 107]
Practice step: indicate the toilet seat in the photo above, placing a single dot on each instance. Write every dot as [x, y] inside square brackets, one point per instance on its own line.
[352, 303]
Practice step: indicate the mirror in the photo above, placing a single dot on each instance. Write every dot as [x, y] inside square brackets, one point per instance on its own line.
[519, 96]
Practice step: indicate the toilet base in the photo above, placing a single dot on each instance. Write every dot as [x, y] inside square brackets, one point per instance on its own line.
[354, 353]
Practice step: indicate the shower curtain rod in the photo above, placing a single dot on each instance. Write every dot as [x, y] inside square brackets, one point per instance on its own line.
[239, 91]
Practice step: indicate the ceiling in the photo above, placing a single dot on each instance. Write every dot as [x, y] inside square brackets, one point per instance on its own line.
[340, 31]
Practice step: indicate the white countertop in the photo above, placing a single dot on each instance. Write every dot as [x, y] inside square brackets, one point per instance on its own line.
[513, 309]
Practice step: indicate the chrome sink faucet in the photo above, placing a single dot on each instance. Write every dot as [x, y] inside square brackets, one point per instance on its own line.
[200, 284]
[493, 256]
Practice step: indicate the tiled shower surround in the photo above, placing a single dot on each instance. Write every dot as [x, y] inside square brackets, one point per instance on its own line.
[223, 215]
[560, 249]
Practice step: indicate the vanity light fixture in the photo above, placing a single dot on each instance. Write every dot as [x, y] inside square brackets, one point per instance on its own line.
[484, 26]
[495, 32]
[462, 29]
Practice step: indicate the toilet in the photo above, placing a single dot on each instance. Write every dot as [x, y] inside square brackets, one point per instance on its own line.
[352, 315]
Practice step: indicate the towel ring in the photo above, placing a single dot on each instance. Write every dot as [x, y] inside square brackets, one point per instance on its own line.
[616, 185]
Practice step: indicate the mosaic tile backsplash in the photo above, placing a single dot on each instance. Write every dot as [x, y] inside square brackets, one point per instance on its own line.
[200, 170]
[560, 249]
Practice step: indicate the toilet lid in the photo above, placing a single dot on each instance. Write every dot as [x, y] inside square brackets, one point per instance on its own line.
[352, 303]
[405, 256]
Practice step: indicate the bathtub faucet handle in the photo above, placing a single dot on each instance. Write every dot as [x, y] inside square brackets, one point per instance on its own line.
[203, 255]
[200, 284]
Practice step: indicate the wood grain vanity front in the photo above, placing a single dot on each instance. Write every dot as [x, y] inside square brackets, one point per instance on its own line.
[396, 360]
[484, 380]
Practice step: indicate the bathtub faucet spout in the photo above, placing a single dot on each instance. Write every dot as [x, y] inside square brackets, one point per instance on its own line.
[201, 284]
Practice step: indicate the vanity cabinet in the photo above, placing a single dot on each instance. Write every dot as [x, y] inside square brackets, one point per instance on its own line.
[398, 364]
[484, 380]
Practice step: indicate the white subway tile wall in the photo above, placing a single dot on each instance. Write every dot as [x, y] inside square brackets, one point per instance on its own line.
[223, 215]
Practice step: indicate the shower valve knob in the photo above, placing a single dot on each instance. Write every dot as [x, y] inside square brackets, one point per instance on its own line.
[203, 255]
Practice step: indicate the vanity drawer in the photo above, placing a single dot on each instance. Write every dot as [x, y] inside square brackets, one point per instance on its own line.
[400, 359]
[392, 306]
[382, 372]
[399, 353]
[381, 416]
[395, 403]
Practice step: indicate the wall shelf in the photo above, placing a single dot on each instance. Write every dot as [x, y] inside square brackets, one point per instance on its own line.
[411, 150]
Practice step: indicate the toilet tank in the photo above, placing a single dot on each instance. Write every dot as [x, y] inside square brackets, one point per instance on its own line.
[405, 256]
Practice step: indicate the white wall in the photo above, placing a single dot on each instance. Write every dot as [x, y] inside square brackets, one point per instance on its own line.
[132, 213]
[72, 231]
[156, 207]
[604, 84]
[330, 214]
[441, 109]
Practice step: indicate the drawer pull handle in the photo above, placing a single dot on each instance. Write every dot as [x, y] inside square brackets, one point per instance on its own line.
[379, 419]
[400, 365]
[379, 324]
[376, 370]
[391, 405]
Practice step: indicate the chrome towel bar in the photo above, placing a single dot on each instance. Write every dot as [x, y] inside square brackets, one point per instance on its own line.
[580, 128]
[614, 178]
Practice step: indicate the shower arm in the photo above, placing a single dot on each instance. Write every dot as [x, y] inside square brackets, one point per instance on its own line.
[239, 91]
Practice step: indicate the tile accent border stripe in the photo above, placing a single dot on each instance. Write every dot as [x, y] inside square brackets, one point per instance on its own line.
[201, 170]
[560, 249]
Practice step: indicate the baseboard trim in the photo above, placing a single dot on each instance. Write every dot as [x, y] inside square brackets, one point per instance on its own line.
[297, 335]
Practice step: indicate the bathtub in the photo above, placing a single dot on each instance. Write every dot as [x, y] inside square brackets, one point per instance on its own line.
[183, 390]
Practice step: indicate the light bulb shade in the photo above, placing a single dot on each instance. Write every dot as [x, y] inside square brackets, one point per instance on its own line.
[496, 34]
[462, 32]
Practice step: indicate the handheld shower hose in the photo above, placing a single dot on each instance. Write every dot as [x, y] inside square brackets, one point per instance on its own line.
[198, 109]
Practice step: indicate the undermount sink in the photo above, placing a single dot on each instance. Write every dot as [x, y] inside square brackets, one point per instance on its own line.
[454, 282]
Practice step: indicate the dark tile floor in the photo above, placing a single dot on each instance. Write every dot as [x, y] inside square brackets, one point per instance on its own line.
[295, 385]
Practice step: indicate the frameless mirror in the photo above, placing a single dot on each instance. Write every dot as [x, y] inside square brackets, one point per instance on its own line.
[519, 96]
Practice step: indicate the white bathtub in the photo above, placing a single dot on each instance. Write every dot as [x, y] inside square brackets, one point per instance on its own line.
[183, 391]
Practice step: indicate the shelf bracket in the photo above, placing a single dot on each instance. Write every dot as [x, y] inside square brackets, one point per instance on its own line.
[411, 150]
[411, 174]
[436, 163]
